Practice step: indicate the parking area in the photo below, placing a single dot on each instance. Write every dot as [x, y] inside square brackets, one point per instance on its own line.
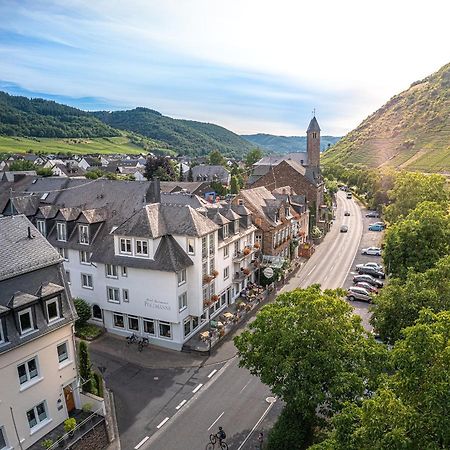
[369, 239]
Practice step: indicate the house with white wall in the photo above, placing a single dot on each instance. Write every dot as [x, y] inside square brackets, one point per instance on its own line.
[38, 371]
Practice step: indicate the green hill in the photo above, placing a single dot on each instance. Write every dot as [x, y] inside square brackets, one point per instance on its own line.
[412, 130]
[188, 137]
[286, 144]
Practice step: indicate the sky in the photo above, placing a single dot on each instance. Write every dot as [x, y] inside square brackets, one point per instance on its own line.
[253, 66]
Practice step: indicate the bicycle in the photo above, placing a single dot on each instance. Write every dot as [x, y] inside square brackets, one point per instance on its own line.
[213, 439]
[142, 343]
[131, 339]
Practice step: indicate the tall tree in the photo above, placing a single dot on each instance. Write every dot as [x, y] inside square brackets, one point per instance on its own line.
[190, 176]
[410, 189]
[234, 186]
[253, 156]
[159, 166]
[419, 240]
[215, 158]
[180, 176]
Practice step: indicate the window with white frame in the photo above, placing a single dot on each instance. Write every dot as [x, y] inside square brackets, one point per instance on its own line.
[124, 271]
[204, 247]
[83, 233]
[182, 301]
[63, 353]
[97, 312]
[63, 252]
[226, 251]
[84, 257]
[61, 231]
[113, 295]
[125, 246]
[40, 225]
[225, 231]
[211, 265]
[37, 415]
[181, 277]
[125, 296]
[149, 326]
[86, 281]
[165, 330]
[287, 211]
[118, 320]
[111, 271]
[27, 371]
[52, 307]
[26, 321]
[258, 238]
[236, 248]
[133, 323]
[68, 276]
[236, 226]
[141, 247]
[205, 268]
[3, 442]
[211, 244]
[205, 293]
[190, 246]
[226, 273]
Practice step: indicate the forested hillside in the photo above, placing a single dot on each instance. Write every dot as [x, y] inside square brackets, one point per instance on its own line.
[188, 137]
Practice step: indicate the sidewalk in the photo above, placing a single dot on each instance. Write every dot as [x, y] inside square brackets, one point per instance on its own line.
[153, 357]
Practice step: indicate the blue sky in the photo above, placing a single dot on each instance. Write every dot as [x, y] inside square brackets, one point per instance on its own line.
[249, 65]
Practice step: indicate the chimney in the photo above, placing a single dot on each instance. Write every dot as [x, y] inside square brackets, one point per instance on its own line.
[153, 194]
[30, 236]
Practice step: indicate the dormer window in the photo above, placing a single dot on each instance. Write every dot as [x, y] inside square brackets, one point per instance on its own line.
[225, 231]
[190, 246]
[52, 307]
[141, 247]
[61, 231]
[26, 321]
[40, 224]
[83, 231]
[125, 246]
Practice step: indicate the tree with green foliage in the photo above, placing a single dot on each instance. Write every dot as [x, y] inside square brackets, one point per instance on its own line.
[94, 174]
[219, 188]
[234, 186]
[253, 156]
[410, 410]
[180, 175]
[412, 188]
[419, 240]
[190, 176]
[83, 311]
[21, 164]
[159, 167]
[312, 351]
[85, 366]
[399, 303]
[215, 158]
[44, 171]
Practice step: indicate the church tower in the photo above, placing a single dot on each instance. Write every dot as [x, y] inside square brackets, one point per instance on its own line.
[313, 143]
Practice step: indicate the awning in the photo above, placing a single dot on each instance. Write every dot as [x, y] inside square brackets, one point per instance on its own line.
[276, 262]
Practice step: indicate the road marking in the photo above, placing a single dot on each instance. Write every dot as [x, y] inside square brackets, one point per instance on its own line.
[309, 273]
[246, 384]
[257, 424]
[162, 423]
[197, 388]
[142, 442]
[212, 373]
[181, 404]
[216, 421]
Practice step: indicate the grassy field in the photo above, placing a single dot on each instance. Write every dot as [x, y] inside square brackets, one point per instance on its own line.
[119, 144]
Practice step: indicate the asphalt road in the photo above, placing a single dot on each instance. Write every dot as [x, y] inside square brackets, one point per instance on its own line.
[234, 399]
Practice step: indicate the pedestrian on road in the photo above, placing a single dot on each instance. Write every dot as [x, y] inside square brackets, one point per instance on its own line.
[260, 440]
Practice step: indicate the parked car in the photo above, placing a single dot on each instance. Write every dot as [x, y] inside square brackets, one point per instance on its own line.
[367, 286]
[368, 279]
[346, 213]
[373, 251]
[358, 293]
[370, 264]
[349, 195]
[376, 227]
[372, 214]
[369, 270]
[380, 223]
[344, 228]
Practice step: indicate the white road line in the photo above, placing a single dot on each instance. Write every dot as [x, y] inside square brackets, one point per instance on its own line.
[212, 373]
[197, 388]
[310, 272]
[216, 421]
[142, 442]
[246, 384]
[162, 423]
[256, 425]
[181, 404]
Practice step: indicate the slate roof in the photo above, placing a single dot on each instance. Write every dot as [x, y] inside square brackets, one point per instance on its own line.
[183, 198]
[175, 186]
[260, 199]
[210, 173]
[19, 253]
[313, 125]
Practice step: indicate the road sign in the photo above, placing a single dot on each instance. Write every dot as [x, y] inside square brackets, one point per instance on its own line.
[268, 272]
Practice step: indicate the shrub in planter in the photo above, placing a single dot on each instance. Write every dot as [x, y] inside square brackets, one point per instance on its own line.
[47, 443]
[246, 271]
[257, 245]
[70, 425]
[214, 298]
[247, 251]
[215, 273]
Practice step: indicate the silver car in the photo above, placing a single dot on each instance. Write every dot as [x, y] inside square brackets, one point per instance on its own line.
[358, 293]
[373, 251]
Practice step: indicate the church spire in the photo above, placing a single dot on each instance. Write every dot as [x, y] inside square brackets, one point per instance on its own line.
[313, 125]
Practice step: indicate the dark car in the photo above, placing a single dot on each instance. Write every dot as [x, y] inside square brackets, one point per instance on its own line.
[369, 287]
[368, 279]
[369, 270]
[372, 214]
[347, 213]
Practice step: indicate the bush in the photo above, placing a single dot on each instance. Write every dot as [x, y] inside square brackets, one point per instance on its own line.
[47, 443]
[83, 311]
[70, 425]
[98, 383]
[87, 407]
[85, 367]
[88, 332]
